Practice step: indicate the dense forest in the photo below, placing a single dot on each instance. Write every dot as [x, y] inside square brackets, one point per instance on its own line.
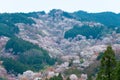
[30, 56]
[106, 18]
[87, 31]
[31, 60]
[8, 21]
[8, 30]
[19, 45]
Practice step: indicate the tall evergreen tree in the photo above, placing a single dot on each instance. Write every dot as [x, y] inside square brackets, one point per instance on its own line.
[117, 72]
[108, 64]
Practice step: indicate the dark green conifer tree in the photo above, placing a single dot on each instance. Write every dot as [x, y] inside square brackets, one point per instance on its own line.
[117, 72]
[108, 64]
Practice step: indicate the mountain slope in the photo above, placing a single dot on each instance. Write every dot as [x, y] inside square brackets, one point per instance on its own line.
[106, 18]
[36, 39]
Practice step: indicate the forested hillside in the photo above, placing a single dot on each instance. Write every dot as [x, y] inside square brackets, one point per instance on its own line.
[24, 50]
[106, 18]
[58, 45]
[87, 31]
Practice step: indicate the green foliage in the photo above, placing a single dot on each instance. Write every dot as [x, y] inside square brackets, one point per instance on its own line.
[8, 31]
[68, 78]
[13, 66]
[65, 14]
[70, 63]
[37, 59]
[59, 77]
[89, 78]
[106, 18]
[117, 72]
[87, 31]
[35, 14]
[19, 45]
[8, 21]
[108, 64]
[100, 56]
[29, 55]
[34, 60]
[46, 79]
[92, 69]
[15, 18]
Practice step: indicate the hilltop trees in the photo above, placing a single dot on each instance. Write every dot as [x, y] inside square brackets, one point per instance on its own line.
[108, 64]
[29, 56]
[19, 45]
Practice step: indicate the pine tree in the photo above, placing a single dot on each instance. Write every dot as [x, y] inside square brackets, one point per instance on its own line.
[108, 64]
[117, 72]
[68, 78]
[60, 76]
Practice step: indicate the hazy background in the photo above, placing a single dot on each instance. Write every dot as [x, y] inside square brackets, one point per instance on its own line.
[66, 5]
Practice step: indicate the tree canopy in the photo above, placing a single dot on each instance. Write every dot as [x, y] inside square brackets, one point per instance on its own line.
[108, 64]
